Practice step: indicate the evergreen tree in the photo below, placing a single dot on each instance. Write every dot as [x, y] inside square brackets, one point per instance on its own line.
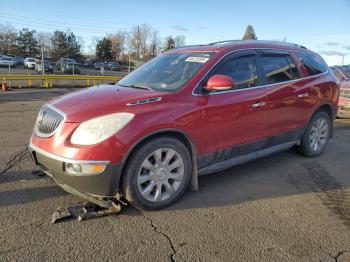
[59, 45]
[169, 44]
[104, 49]
[26, 42]
[73, 47]
[249, 33]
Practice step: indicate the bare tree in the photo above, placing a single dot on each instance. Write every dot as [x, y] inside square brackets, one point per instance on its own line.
[92, 46]
[139, 38]
[154, 45]
[135, 41]
[179, 40]
[8, 39]
[44, 39]
[118, 44]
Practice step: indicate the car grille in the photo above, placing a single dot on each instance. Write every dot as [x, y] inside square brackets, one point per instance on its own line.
[48, 121]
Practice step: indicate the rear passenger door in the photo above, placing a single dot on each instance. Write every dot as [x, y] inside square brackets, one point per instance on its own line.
[287, 95]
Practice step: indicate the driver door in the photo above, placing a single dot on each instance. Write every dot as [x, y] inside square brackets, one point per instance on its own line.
[234, 121]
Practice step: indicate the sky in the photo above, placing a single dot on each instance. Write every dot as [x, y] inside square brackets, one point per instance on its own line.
[320, 25]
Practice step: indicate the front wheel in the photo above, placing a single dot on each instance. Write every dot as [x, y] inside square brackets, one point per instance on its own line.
[316, 136]
[157, 174]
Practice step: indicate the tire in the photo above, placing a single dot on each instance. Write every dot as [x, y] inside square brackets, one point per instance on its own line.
[149, 184]
[316, 136]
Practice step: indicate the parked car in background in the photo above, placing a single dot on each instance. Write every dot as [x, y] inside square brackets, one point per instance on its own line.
[68, 65]
[19, 60]
[89, 63]
[7, 61]
[344, 94]
[113, 66]
[47, 66]
[190, 111]
[99, 65]
[29, 62]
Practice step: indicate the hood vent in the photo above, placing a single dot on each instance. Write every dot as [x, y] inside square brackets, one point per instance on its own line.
[145, 101]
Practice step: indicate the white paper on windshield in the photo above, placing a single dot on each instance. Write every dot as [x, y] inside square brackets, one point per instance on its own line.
[197, 59]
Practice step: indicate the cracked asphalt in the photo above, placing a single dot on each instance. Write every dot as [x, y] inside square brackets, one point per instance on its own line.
[280, 208]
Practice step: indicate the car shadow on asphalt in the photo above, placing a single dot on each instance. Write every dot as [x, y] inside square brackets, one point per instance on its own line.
[19, 196]
[282, 175]
[28, 195]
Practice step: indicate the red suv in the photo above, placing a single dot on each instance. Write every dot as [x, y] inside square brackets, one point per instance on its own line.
[190, 111]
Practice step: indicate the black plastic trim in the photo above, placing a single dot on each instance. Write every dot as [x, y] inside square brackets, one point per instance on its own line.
[248, 148]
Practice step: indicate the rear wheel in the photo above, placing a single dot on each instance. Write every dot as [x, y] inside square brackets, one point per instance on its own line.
[316, 136]
[157, 174]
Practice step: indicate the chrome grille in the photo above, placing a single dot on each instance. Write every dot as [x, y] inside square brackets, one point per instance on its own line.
[48, 121]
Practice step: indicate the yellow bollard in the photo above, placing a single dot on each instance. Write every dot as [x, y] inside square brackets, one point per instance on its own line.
[50, 84]
[94, 82]
[87, 82]
[30, 83]
[46, 83]
[3, 85]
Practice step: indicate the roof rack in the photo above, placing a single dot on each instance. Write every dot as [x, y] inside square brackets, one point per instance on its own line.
[223, 42]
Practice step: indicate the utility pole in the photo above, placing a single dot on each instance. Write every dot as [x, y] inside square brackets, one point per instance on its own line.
[342, 61]
[42, 60]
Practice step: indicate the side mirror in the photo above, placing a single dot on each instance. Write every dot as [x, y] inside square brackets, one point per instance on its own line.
[219, 83]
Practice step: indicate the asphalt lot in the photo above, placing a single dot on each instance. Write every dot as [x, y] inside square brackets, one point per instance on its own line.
[280, 208]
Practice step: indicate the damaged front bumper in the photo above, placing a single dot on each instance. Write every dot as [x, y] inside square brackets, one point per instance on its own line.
[97, 188]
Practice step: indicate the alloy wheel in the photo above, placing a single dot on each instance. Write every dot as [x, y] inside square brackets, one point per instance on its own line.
[161, 175]
[319, 134]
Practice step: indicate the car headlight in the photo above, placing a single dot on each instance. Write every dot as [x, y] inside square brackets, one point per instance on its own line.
[100, 128]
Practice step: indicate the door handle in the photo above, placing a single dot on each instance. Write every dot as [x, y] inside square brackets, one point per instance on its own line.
[258, 104]
[303, 95]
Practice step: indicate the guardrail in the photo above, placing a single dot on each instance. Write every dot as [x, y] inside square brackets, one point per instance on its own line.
[48, 79]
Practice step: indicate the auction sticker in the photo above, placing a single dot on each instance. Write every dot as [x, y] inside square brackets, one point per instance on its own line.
[197, 59]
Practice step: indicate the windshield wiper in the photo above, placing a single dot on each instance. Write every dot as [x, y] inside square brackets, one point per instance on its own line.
[136, 86]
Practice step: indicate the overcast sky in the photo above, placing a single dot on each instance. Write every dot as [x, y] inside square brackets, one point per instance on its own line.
[320, 25]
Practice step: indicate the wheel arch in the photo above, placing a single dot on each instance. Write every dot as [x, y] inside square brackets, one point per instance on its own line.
[172, 132]
[326, 107]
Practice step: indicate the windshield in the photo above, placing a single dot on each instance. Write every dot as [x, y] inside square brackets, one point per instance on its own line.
[31, 60]
[167, 72]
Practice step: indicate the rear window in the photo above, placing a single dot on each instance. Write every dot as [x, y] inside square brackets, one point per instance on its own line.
[279, 68]
[313, 63]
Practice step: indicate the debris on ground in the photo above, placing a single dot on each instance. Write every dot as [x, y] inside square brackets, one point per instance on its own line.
[84, 212]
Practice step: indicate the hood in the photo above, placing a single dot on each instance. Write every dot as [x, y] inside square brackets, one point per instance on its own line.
[101, 100]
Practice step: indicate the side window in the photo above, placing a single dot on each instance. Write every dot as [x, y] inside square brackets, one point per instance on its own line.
[313, 64]
[293, 68]
[241, 69]
[278, 68]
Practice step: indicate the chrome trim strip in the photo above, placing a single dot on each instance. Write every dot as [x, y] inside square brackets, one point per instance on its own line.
[145, 101]
[64, 159]
[255, 87]
[39, 134]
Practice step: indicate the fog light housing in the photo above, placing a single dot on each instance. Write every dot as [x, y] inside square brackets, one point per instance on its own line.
[84, 169]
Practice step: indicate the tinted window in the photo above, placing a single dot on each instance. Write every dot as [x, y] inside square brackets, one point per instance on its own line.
[293, 68]
[313, 64]
[278, 68]
[242, 70]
